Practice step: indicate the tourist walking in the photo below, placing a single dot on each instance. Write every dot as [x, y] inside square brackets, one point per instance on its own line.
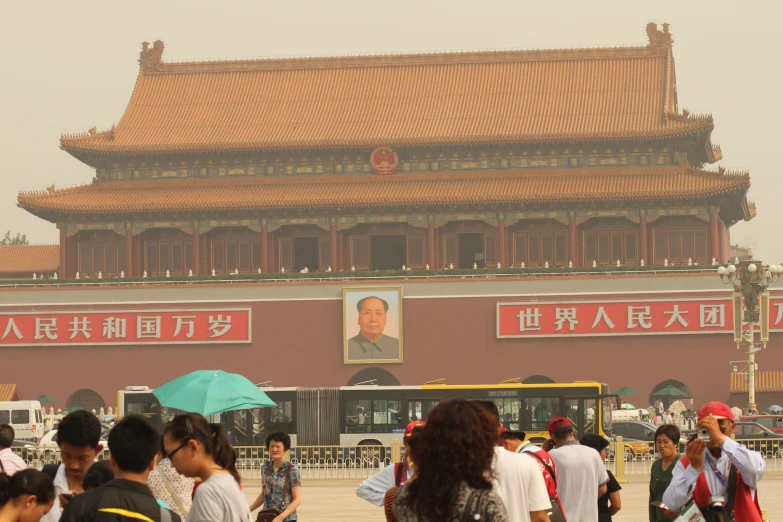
[27, 496]
[133, 445]
[374, 488]
[197, 448]
[581, 474]
[667, 440]
[10, 462]
[281, 481]
[453, 459]
[609, 503]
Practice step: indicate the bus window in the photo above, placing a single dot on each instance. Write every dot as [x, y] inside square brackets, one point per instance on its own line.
[538, 412]
[358, 416]
[5, 417]
[282, 414]
[508, 409]
[418, 410]
[20, 417]
[387, 412]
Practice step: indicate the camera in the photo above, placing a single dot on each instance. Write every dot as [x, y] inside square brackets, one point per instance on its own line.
[704, 435]
[716, 502]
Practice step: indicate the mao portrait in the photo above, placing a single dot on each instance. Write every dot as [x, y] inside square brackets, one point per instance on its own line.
[372, 325]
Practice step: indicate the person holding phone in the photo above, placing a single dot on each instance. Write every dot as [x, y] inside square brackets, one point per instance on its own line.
[667, 439]
[718, 470]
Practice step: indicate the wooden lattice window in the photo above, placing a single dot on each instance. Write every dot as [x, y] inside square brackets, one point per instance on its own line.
[490, 250]
[677, 245]
[539, 248]
[287, 254]
[360, 252]
[324, 251]
[606, 247]
[175, 256]
[450, 250]
[107, 258]
[415, 251]
[229, 255]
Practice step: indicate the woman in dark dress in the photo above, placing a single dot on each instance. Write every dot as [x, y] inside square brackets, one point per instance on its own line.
[609, 503]
[667, 441]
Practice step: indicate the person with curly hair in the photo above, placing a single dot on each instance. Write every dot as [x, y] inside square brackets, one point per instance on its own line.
[453, 477]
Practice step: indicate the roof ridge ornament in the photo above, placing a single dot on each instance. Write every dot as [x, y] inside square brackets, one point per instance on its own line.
[660, 41]
[150, 59]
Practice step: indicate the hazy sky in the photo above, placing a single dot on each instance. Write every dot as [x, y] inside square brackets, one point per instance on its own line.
[71, 65]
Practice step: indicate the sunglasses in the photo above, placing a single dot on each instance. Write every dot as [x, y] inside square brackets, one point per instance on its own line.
[185, 441]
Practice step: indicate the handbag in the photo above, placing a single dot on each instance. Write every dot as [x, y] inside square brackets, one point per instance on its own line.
[556, 514]
[269, 514]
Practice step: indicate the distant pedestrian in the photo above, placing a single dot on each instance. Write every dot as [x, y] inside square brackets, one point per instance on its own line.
[281, 481]
[374, 488]
[453, 461]
[10, 462]
[609, 503]
[582, 476]
[26, 496]
[197, 448]
[518, 480]
[667, 440]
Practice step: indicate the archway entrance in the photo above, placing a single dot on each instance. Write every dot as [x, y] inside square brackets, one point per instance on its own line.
[669, 391]
[373, 376]
[87, 399]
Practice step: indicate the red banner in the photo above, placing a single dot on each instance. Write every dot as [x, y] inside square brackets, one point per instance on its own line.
[622, 317]
[194, 326]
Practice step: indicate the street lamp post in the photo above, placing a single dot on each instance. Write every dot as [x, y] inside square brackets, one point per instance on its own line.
[750, 280]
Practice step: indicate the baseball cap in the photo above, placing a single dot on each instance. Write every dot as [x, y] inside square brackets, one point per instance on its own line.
[558, 422]
[717, 410]
[410, 426]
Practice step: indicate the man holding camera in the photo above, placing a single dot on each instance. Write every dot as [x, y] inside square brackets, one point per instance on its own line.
[720, 475]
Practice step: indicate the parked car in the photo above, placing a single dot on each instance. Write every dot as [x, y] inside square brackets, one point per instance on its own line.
[48, 443]
[757, 438]
[638, 430]
[632, 448]
[772, 422]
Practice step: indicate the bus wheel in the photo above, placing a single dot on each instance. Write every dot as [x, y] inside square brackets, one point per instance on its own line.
[371, 456]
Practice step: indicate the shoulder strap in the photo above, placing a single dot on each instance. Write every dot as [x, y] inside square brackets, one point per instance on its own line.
[165, 515]
[170, 489]
[399, 471]
[50, 470]
[467, 515]
[542, 461]
[731, 490]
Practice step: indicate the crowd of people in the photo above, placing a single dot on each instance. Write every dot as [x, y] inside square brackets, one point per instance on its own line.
[189, 473]
[462, 464]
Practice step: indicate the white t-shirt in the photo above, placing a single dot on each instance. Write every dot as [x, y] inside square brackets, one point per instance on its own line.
[219, 499]
[519, 483]
[580, 472]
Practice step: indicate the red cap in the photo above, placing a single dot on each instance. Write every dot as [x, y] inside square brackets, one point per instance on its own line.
[717, 410]
[558, 422]
[504, 430]
[410, 426]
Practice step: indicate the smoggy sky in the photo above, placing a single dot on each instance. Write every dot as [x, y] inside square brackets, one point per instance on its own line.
[72, 65]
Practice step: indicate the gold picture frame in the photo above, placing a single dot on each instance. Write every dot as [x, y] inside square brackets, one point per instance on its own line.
[372, 325]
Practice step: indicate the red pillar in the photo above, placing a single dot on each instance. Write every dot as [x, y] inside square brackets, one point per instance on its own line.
[501, 243]
[63, 256]
[333, 246]
[128, 252]
[714, 242]
[572, 254]
[643, 239]
[264, 249]
[431, 244]
[196, 251]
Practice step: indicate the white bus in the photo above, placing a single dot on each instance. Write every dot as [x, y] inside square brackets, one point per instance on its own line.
[25, 417]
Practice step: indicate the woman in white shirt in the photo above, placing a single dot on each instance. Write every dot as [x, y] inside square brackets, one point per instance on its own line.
[197, 448]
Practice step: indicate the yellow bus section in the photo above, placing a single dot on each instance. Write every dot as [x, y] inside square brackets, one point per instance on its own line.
[575, 384]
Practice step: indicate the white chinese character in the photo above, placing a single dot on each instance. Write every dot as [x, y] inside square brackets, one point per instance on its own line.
[639, 316]
[677, 315]
[12, 326]
[779, 306]
[80, 326]
[565, 314]
[46, 328]
[148, 327]
[528, 319]
[115, 327]
[219, 326]
[602, 316]
[712, 316]
[185, 320]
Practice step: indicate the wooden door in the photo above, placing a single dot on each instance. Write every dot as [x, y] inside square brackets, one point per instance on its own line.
[490, 250]
[324, 254]
[450, 250]
[360, 252]
[415, 252]
[286, 254]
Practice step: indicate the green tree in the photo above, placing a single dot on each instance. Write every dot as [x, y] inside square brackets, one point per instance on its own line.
[20, 239]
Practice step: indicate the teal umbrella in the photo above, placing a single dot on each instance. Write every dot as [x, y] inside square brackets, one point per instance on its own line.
[45, 398]
[671, 391]
[211, 391]
[627, 406]
[626, 391]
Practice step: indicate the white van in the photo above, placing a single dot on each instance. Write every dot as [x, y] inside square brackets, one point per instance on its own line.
[25, 417]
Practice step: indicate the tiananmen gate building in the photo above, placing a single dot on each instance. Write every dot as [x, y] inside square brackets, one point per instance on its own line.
[571, 179]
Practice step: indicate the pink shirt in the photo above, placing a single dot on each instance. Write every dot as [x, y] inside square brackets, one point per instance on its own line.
[11, 462]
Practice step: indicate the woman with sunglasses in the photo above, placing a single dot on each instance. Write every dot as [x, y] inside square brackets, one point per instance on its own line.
[197, 448]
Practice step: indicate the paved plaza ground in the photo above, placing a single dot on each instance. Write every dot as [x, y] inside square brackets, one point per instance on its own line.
[336, 500]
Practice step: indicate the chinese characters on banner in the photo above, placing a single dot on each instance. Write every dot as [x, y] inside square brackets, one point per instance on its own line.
[626, 317]
[198, 326]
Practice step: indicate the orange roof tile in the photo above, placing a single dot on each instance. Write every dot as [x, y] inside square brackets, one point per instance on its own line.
[401, 190]
[29, 259]
[405, 100]
[9, 392]
[767, 381]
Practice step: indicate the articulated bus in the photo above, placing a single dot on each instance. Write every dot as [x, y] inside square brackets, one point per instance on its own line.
[368, 415]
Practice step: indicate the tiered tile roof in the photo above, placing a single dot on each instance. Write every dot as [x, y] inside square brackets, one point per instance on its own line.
[404, 100]
[29, 259]
[9, 392]
[367, 192]
[767, 381]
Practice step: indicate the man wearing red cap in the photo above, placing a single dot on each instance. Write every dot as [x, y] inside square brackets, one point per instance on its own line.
[718, 467]
[581, 474]
[374, 488]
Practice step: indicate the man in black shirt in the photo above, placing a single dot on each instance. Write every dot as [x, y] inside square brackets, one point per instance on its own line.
[133, 444]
